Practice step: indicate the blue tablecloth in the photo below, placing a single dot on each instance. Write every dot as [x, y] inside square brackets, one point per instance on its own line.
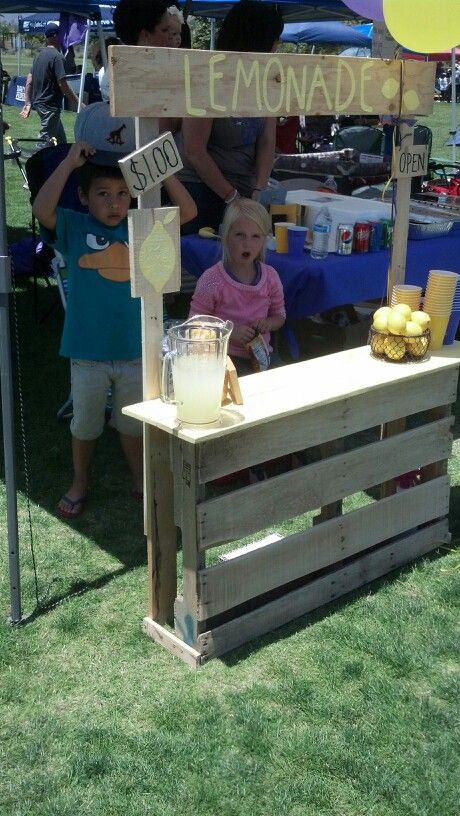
[314, 286]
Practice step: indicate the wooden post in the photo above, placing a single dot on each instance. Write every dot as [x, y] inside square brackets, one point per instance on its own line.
[397, 270]
[159, 525]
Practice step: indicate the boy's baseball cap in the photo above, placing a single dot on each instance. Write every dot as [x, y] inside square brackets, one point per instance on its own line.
[51, 29]
[112, 137]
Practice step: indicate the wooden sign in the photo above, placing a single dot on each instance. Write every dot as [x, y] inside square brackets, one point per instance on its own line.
[151, 164]
[409, 161]
[154, 251]
[220, 83]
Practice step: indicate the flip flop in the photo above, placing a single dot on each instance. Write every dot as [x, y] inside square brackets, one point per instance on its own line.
[73, 507]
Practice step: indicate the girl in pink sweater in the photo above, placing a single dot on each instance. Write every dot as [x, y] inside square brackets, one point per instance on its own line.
[241, 287]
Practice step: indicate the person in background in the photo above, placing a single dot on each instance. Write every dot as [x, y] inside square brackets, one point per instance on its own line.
[102, 326]
[241, 287]
[148, 22]
[96, 59]
[154, 23]
[46, 87]
[69, 61]
[231, 156]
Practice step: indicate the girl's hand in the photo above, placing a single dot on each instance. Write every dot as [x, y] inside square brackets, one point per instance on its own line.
[78, 153]
[263, 325]
[242, 334]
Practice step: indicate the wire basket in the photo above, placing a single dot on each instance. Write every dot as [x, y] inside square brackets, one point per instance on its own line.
[395, 348]
[432, 229]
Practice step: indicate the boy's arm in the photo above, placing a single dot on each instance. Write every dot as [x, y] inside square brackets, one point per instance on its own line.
[180, 197]
[47, 198]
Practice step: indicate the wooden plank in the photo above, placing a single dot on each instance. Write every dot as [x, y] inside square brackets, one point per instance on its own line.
[334, 508]
[151, 164]
[172, 643]
[159, 520]
[318, 484]
[388, 430]
[348, 415]
[286, 391]
[226, 585]
[216, 84]
[322, 591]
[186, 621]
[438, 468]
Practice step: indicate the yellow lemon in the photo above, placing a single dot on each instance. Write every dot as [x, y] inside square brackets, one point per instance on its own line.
[422, 318]
[380, 323]
[384, 311]
[413, 329]
[394, 348]
[404, 309]
[396, 322]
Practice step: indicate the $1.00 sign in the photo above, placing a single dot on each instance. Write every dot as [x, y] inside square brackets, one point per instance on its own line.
[151, 164]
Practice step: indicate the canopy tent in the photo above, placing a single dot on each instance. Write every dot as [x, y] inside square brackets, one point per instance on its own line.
[36, 23]
[326, 31]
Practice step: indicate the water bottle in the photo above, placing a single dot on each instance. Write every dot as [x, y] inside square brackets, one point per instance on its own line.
[321, 232]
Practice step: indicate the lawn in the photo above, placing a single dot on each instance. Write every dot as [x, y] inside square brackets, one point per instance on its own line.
[350, 711]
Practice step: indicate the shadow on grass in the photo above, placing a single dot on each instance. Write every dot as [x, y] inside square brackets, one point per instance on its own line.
[327, 610]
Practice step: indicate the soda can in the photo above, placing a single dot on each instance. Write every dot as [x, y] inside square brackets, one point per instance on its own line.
[344, 239]
[375, 240]
[387, 232]
[361, 235]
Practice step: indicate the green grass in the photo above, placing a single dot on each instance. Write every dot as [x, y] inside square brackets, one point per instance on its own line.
[350, 711]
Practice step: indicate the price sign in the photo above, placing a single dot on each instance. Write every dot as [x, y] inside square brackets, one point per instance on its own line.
[151, 164]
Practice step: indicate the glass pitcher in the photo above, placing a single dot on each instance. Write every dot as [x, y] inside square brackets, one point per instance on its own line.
[196, 359]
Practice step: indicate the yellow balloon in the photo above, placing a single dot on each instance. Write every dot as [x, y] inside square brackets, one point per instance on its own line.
[423, 25]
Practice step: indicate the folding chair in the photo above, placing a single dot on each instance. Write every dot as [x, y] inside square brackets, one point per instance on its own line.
[37, 169]
[363, 138]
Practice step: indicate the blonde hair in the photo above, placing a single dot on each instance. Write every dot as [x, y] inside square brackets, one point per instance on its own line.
[245, 208]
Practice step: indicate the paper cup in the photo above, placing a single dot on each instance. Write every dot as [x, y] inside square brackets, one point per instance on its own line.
[296, 240]
[281, 238]
[438, 327]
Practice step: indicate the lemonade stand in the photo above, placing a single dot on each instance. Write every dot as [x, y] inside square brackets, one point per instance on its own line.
[339, 403]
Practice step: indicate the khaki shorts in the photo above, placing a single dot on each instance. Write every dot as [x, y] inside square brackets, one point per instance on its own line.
[90, 382]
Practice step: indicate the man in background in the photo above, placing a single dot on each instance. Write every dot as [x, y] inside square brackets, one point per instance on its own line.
[46, 87]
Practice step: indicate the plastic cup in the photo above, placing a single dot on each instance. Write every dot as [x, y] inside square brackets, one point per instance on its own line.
[296, 240]
[438, 327]
[281, 238]
[452, 327]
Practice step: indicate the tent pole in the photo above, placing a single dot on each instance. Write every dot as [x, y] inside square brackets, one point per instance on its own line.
[101, 38]
[453, 106]
[6, 381]
[83, 68]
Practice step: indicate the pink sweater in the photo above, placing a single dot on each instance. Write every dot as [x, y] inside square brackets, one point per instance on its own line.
[219, 295]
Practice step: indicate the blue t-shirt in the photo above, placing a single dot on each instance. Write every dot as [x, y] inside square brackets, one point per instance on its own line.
[102, 320]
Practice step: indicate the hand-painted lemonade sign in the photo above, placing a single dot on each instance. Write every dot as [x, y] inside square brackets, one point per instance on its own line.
[151, 164]
[219, 83]
[154, 251]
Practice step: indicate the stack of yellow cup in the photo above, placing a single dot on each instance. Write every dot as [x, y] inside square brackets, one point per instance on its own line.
[439, 296]
[281, 235]
[405, 293]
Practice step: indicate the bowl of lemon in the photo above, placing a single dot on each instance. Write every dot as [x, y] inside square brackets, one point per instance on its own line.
[398, 334]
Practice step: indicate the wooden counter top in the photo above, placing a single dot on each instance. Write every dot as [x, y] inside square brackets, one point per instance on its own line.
[294, 388]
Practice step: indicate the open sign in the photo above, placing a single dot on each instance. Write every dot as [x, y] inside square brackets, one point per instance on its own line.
[410, 161]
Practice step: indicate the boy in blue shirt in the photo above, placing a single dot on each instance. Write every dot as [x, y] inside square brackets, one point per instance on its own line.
[102, 327]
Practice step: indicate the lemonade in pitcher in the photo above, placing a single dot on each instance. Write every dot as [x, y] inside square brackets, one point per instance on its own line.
[196, 360]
